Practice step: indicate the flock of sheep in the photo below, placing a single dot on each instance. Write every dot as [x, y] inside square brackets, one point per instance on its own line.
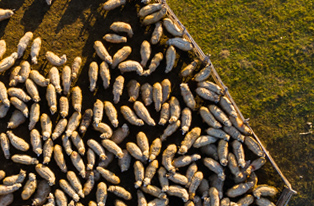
[221, 146]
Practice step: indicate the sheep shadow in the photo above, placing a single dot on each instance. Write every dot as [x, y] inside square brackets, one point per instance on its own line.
[36, 13]
[8, 4]
[73, 12]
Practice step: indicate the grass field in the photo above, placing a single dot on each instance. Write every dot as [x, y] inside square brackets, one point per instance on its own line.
[264, 52]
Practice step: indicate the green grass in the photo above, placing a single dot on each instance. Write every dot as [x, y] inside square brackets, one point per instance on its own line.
[269, 72]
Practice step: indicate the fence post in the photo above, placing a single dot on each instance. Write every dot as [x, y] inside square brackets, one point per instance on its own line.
[285, 196]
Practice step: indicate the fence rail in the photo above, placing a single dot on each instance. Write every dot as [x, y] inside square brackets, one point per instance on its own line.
[287, 191]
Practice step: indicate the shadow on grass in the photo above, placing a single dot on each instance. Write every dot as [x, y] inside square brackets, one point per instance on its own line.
[35, 14]
[73, 12]
[2, 27]
[8, 4]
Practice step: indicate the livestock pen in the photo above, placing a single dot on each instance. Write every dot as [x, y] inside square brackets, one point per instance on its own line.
[79, 42]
